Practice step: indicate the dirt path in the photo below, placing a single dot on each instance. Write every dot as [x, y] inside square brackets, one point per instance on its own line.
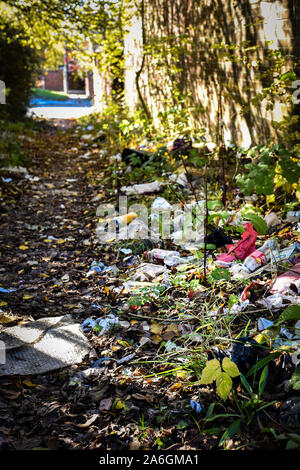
[136, 397]
[45, 411]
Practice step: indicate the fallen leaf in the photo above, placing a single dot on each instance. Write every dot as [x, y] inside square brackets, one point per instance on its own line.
[89, 421]
[7, 318]
[156, 328]
[105, 404]
[119, 404]
[28, 383]
[156, 339]
[176, 386]
[27, 296]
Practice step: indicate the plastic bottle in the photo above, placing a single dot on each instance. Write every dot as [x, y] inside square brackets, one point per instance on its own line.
[174, 260]
[255, 261]
[125, 219]
[293, 214]
[259, 257]
[160, 255]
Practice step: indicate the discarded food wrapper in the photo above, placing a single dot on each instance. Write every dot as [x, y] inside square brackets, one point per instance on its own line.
[263, 324]
[284, 281]
[160, 255]
[7, 291]
[272, 220]
[278, 300]
[100, 268]
[43, 345]
[180, 179]
[144, 188]
[160, 204]
[147, 272]
[125, 219]
[290, 253]
[254, 290]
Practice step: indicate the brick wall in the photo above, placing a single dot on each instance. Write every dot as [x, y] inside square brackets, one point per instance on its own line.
[54, 80]
[205, 23]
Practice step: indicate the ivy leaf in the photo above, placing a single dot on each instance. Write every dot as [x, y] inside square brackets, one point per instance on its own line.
[295, 379]
[211, 371]
[212, 205]
[258, 223]
[219, 273]
[224, 385]
[292, 312]
[290, 169]
[230, 367]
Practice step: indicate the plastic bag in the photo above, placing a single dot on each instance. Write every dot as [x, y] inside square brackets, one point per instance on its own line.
[243, 247]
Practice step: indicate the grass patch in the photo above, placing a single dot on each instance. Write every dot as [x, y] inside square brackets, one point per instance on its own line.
[48, 94]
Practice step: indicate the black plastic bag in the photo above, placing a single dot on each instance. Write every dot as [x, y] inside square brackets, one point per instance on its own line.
[244, 352]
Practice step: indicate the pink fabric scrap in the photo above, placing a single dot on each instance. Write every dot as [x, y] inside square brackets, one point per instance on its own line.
[243, 247]
[284, 281]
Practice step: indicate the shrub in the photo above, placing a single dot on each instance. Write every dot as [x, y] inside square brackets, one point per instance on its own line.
[19, 69]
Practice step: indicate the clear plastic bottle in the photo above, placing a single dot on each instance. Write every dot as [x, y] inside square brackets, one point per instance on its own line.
[160, 255]
[255, 261]
[260, 257]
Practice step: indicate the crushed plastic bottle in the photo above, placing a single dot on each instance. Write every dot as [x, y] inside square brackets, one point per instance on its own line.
[160, 204]
[174, 260]
[125, 219]
[7, 291]
[160, 255]
[98, 267]
[254, 261]
[260, 257]
[295, 214]
[290, 253]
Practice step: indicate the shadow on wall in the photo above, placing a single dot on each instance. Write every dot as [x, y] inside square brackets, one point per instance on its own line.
[220, 90]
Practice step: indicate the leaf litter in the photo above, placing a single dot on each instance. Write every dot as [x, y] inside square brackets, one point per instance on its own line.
[143, 381]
